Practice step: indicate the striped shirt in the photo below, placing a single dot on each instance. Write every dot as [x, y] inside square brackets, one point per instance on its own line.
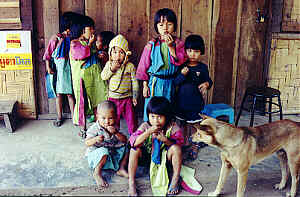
[122, 83]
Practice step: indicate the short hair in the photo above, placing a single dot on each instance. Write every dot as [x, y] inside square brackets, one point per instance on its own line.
[79, 22]
[195, 42]
[107, 105]
[168, 14]
[161, 106]
[106, 36]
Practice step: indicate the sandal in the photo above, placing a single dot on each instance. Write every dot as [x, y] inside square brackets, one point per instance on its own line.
[82, 133]
[175, 189]
[57, 123]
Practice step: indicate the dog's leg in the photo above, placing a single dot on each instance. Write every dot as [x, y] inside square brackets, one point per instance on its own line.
[242, 179]
[225, 170]
[294, 168]
[284, 169]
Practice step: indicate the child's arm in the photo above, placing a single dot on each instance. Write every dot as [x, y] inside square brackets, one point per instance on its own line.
[107, 72]
[142, 137]
[92, 141]
[181, 56]
[135, 85]
[181, 76]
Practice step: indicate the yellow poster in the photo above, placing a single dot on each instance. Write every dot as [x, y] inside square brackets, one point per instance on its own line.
[20, 61]
[13, 40]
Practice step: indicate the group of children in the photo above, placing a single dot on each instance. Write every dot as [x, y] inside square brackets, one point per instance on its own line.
[95, 68]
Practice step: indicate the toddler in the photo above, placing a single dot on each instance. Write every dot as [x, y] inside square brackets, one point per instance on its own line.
[106, 145]
[161, 58]
[123, 86]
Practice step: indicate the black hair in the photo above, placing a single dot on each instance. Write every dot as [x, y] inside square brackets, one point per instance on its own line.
[165, 12]
[161, 106]
[106, 36]
[79, 22]
[195, 42]
[65, 21]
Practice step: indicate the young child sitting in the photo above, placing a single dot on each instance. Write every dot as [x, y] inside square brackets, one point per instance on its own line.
[102, 42]
[160, 130]
[123, 86]
[106, 145]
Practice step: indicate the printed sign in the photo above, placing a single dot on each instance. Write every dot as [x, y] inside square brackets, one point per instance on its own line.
[13, 40]
[15, 50]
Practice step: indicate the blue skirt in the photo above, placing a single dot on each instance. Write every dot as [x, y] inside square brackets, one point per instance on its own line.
[114, 157]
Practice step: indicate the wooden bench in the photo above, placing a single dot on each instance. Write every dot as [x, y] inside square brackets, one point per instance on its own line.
[8, 109]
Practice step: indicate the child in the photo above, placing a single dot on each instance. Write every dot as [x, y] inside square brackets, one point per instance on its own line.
[106, 145]
[123, 86]
[58, 78]
[89, 88]
[162, 129]
[102, 41]
[160, 59]
[193, 81]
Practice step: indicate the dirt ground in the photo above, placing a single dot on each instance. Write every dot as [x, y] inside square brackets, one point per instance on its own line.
[260, 181]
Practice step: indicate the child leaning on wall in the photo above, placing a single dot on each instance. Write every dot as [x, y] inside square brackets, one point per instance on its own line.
[58, 77]
[123, 86]
[160, 59]
[106, 146]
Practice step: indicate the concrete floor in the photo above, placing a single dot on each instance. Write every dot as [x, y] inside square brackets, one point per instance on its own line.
[38, 159]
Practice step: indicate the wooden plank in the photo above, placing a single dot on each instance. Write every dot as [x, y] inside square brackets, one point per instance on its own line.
[201, 10]
[175, 5]
[223, 43]
[51, 18]
[71, 5]
[106, 19]
[10, 20]
[135, 29]
[9, 4]
[251, 53]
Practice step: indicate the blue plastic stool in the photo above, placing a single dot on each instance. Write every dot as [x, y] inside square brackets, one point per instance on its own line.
[215, 110]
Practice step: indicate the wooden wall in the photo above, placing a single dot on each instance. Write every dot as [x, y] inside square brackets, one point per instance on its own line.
[228, 28]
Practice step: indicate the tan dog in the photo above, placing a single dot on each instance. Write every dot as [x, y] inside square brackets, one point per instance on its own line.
[242, 147]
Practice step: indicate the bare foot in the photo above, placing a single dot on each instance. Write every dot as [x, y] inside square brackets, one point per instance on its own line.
[132, 189]
[174, 186]
[99, 180]
[123, 173]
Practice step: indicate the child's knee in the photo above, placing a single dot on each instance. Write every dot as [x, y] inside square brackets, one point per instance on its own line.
[175, 150]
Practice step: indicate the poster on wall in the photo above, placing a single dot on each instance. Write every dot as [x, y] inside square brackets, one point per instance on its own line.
[15, 50]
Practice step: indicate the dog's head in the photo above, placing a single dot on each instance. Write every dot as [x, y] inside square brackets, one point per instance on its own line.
[215, 133]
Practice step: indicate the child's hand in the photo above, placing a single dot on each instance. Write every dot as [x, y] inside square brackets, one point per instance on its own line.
[160, 136]
[99, 138]
[154, 129]
[185, 71]
[114, 65]
[50, 71]
[134, 101]
[146, 91]
[111, 130]
[92, 39]
[203, 88]
[169, 39]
